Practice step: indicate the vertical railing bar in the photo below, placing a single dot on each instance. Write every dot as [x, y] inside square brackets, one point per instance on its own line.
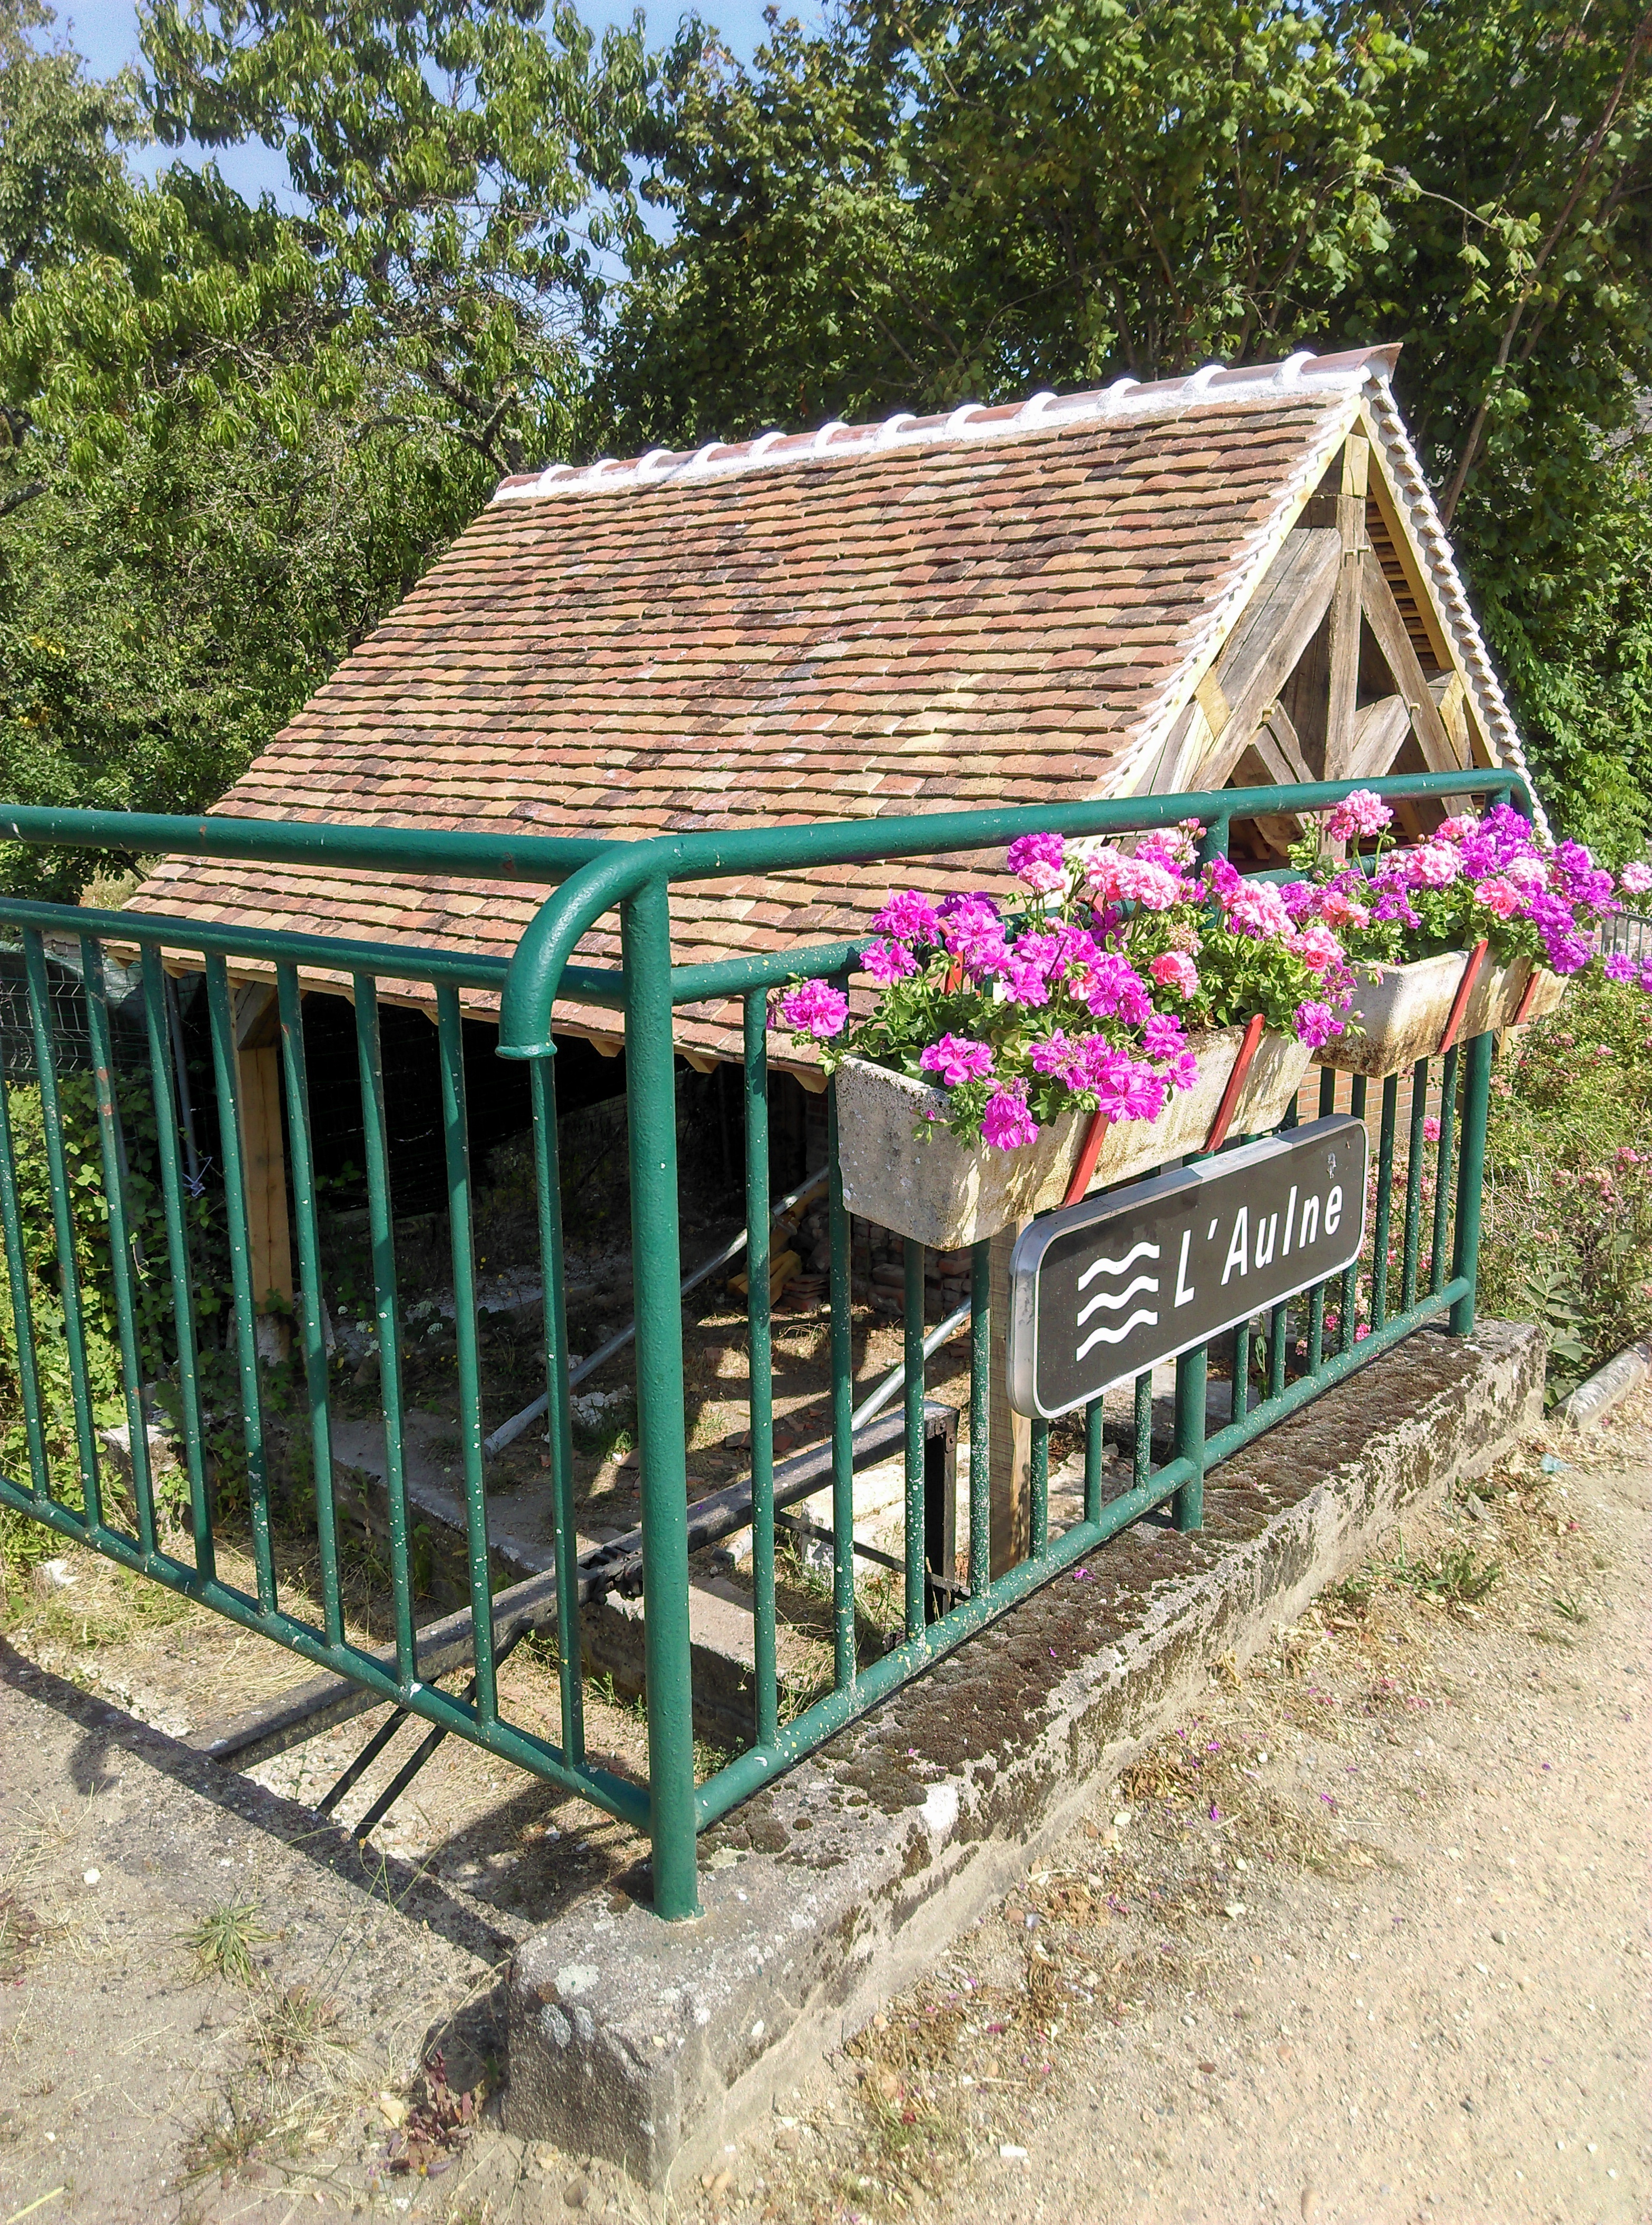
[657, 1272]
[559, 1409]
[57, 1173]
[1317, 1327]
[1039, 1488]
[1470, 1178]
[312, 1323]
[1347, 1327]
[980, 1449]
[760, 1384]
[382, 1238]
[1095, 1458]
[113, 1149]
[165, 1053]
[11, 1221]
[843, 1360]
[1327, 1091]
[1415, 1151]
[450, 1043]
[1278, 1333]
[1239, 1366]
[221, 1015]
[1193, 1370]
[1141, 1461]
[1442, 1172]
[912, 1257]
[1384, 1201]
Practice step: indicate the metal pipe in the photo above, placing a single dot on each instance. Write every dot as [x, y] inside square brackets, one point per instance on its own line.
[508, 1432]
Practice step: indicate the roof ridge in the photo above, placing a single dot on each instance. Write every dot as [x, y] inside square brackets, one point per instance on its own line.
[1125, 400]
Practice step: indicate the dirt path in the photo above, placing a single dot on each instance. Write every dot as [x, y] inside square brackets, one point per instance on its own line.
[1366, 1940]
[1363, 1939]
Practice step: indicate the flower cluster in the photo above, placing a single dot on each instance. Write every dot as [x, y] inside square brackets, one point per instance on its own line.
[1086, 993]
[1493, 878]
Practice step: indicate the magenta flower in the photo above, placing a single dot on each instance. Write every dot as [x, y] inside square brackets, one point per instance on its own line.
[1162, 1037]
[1025, 983]
[957, 1059]
[1430, 1129]
[1039, 860]
[1619, 965]
[1364, 813]
[888, 961]
[1176, 970]
[814, 1008]
[1060, 1056]
[1006, 1124]
[909, 917]
[1316, 1024]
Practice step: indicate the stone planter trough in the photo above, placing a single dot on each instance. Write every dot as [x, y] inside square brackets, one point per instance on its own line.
[1404, 1011]
[945, 1193]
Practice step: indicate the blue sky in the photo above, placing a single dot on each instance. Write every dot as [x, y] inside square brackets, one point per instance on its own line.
[106, 32]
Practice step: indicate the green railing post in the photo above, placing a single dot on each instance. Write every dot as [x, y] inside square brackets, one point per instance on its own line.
[1191, 1370]
[1470, 1176]
[760, 1379]
[656, 1275]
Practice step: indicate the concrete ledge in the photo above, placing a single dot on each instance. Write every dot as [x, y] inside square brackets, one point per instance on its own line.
[652, 2043]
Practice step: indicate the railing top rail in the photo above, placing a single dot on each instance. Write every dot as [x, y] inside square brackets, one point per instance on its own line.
[515, 856]
[547, 944]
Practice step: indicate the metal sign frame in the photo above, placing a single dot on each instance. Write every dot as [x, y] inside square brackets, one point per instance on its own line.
[1262, 1192]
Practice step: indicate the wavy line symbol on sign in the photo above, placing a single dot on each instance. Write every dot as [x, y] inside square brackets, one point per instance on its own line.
[1115, 1300]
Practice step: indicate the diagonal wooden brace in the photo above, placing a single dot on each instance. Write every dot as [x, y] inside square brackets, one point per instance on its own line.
[1475, 960]
[1526, 996]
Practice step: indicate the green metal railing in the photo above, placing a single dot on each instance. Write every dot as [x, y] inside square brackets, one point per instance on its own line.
[1422, 1266]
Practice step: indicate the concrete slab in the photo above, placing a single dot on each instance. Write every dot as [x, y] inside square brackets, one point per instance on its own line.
[651, 2045]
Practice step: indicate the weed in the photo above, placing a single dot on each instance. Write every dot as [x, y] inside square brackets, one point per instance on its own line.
[1565, 1605]
[223, 1941]
[1454, 1576]
[291, 2027]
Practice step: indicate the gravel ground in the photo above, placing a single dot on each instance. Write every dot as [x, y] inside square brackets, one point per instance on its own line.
[1363, 1939]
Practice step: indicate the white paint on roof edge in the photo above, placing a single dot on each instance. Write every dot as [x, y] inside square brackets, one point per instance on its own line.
[1212, 386]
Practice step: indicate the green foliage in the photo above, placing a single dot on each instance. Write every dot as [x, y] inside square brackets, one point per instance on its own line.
[910, 208]
[1568, 1228]
[234, 437]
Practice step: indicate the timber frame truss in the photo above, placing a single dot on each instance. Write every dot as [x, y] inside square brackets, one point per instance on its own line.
[1340, 666]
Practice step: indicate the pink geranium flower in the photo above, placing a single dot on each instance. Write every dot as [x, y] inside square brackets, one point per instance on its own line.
[1039, 860]
[1498, 894]
[1175, 969]
[957, 1059]
[1006, 1124]
[1364, 813]
[814, 1008]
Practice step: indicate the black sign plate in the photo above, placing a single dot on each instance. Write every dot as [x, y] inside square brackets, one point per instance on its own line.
[1101, 1290]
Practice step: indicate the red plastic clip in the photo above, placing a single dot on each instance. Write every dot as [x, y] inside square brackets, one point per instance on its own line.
[1465, 989]
[1242, 1067]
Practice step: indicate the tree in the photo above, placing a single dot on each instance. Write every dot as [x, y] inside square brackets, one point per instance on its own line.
[929, 202]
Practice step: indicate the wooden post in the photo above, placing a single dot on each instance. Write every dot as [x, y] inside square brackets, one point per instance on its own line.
[1345, 610]
[1009, 1435]
[257, 1057]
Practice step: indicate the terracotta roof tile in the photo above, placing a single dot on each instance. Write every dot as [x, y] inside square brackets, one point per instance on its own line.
[852, 624]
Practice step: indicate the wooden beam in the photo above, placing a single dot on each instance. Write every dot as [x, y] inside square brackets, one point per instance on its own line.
[1280, 621]
[1342, 686]
[1388, 629]
[257, 1061]
[1379, 730]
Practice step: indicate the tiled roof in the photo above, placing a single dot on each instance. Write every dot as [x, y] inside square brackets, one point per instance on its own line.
[995, 607]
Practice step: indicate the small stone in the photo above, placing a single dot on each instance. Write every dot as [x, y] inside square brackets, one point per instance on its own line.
[881, 2023]
[788, 2142]
[1010, 2153]
[91, 1876]
[576, 2194]
[1207, 2067]
[1310, 2204]
[720, 2184]
[1501, 1937]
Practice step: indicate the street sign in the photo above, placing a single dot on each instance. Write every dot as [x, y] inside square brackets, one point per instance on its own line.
[1101, 1290]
